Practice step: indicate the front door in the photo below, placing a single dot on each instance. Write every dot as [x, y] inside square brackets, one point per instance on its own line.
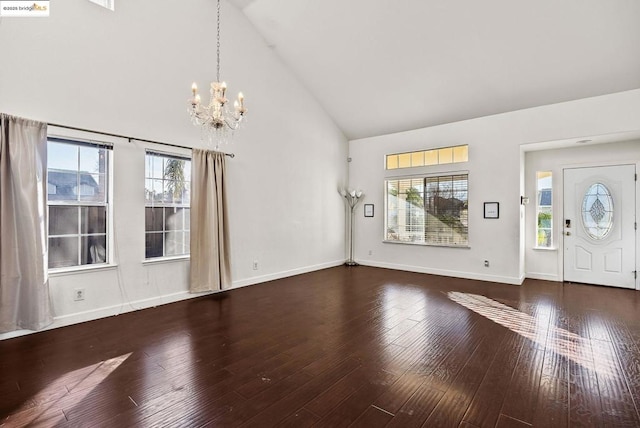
[599, 225]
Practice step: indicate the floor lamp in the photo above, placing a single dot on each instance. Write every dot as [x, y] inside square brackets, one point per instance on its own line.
[352, 197]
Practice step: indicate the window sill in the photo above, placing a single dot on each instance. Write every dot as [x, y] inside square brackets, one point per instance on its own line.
[545, 248]
[419, 244]
[75, 270]
[170, 259]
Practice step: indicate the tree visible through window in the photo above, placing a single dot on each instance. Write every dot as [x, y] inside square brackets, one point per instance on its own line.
[544, 209]
[428, 210]
[167, 200]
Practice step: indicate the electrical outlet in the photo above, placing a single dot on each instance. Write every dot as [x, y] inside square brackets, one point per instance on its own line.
[486, 263]
[255, 265]
[78, 294]
[370, 252]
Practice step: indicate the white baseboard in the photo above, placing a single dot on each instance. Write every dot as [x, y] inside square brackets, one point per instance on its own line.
[108, 311]
[284, 274]
[443, 272]
[75, 318]
[122, 308]
[543, 276]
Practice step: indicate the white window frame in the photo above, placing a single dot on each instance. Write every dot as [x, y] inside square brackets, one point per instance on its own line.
[164, 205]
[427, 158]
[547, 208]
[424, 179]
[108, 204]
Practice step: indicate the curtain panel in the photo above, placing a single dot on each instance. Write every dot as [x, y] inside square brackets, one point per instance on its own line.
[24, 283]
[210, 249]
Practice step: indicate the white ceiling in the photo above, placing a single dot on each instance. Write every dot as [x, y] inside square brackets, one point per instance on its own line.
[383, 66]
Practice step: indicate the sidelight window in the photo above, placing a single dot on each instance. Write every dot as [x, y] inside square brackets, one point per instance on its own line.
[544, 209]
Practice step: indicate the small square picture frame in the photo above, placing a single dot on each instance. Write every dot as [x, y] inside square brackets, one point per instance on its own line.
[492, 210]
[368, 210]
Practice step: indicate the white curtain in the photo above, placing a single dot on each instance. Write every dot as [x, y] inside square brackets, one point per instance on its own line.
[24, 283]
[210, 264]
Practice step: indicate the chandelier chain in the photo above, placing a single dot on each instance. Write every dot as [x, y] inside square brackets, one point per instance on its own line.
[218, 45]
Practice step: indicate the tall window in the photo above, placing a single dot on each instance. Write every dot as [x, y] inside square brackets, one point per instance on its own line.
[78, 202]
[167, 200]
[544, 209]
[431, 210]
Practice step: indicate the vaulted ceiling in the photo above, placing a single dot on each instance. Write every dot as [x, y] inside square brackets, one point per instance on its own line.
[383, 66]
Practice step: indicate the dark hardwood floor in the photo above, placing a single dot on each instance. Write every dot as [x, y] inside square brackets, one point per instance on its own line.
[361, 347]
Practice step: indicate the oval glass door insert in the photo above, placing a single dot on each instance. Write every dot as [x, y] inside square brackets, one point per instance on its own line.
[597, 211]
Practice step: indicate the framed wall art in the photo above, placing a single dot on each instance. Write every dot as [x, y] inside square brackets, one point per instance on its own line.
[491, 210]
[368, 210]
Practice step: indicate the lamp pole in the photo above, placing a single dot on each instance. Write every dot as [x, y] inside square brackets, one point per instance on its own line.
[351, 197]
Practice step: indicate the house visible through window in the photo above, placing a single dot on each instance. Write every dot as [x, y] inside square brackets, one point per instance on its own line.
[431, 210]
[167, 203]
[78, 202]
[544, 209]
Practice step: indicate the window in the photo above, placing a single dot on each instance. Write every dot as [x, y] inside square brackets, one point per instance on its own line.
[597, 211]
[167, 202]
[544, 209]
[430, 210]
[78, 202]
[441, 156]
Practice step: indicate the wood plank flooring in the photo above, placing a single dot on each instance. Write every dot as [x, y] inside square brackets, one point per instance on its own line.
[341, 347]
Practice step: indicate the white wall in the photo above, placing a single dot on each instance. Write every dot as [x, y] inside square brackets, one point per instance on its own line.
[495, 174]
[130, 73]
[548, 263]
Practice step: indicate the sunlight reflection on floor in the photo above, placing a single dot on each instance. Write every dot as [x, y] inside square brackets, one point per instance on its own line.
[591, 354]
[76, 385]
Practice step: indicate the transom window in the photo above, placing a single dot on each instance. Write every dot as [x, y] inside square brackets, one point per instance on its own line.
[429, 210]
[78, 202]
[167, 205]
[441, 156]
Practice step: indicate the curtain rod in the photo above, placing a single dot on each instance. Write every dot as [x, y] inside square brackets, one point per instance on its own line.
[231, 155]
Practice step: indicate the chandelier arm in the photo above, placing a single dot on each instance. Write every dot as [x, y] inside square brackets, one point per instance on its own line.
[232, 125]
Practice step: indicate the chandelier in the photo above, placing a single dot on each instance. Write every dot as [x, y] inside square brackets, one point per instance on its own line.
[215, 118]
